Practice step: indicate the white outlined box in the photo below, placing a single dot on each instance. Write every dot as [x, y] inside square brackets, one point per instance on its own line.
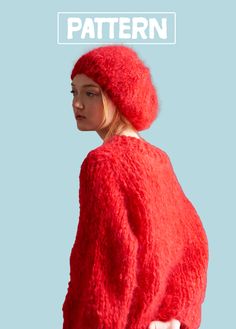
[61, 29]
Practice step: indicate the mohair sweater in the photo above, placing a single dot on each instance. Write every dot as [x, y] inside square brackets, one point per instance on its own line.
[140, 252]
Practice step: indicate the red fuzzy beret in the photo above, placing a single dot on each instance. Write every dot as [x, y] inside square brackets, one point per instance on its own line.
[125, 78]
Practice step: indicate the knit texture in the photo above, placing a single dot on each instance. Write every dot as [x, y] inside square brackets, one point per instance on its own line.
[140, 252]
[126, 80]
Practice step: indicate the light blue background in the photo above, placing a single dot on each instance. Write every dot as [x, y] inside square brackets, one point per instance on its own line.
[42, 150]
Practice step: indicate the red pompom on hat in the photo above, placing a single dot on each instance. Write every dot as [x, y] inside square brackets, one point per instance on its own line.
[126, 80]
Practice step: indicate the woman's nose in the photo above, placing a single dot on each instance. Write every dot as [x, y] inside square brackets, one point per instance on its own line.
[77, 102]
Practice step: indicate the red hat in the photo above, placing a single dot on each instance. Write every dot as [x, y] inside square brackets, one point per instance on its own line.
[126, 80]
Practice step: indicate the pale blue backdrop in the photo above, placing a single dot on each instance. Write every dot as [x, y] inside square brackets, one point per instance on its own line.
[42, 150]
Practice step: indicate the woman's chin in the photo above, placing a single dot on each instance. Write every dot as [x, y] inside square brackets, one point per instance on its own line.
[83, 127]
[80, 125]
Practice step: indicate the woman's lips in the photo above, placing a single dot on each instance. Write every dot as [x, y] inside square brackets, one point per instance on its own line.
[79, 117]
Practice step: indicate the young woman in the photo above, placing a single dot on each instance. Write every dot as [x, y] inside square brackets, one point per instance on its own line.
[140, 256]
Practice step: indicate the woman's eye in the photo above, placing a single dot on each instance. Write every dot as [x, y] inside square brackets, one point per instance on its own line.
[90, 94]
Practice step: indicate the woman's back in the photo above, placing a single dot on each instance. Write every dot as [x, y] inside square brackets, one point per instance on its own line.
[141, 252]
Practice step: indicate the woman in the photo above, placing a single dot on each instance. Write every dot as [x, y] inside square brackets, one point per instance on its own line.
[140, 256]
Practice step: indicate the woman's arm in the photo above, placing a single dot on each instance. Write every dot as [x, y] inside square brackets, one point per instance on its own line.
[186, 287]
[187, 281]
[104, 255]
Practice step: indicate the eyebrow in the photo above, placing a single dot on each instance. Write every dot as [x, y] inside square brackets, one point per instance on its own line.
[88, 85]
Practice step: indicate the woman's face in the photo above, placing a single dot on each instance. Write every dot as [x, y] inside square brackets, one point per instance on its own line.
[87, 102]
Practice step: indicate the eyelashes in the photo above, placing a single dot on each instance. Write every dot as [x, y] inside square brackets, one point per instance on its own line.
[88, 93]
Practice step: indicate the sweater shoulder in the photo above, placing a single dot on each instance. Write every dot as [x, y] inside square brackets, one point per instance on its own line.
[98, 165]
[100, 153]
[118, 157]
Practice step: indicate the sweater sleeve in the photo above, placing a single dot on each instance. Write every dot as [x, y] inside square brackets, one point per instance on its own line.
[103, 257]
[185, 291]
[187, 282]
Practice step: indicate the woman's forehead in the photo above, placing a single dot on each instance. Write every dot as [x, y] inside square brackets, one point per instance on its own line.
[82, 79]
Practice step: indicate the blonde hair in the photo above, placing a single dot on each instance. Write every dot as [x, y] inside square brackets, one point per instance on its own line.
[118, 123]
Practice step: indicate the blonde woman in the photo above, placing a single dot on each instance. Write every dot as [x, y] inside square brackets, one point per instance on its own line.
[140, 256]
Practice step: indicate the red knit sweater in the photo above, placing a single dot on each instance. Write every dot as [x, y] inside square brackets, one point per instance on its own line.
[140, 252]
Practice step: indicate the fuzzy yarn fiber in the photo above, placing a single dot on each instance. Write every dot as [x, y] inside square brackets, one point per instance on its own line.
[126, 80]
[141, 251]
